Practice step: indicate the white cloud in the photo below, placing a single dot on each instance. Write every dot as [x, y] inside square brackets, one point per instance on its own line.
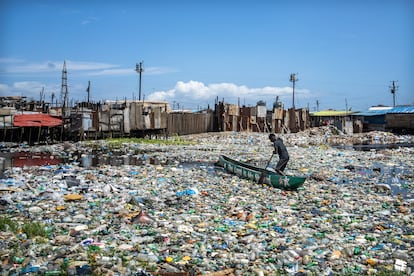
[131, 71]
[10, 60]
[86, 65]
[20, 66]
[112, 72]
[30, 89]
[89, 20]
[192, 88]
[162, 95]
[190, 93]
[4, 89]
[159, 70]
[195, 92]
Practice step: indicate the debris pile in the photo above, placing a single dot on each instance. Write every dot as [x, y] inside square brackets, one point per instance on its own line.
[177, 213]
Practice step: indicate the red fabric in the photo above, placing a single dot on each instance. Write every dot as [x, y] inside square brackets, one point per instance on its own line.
[36, 120]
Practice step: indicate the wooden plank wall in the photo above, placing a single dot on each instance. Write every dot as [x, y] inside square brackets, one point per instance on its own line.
[189, 123]
[403, 121]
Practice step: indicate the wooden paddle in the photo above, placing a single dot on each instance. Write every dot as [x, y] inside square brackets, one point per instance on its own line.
[264, 170]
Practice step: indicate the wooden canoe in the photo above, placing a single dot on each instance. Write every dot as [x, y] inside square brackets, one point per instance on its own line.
[284, 182]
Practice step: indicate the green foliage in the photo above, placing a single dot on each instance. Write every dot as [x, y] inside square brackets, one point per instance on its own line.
[117, 142]
[64, 267]
[7, 224]
[34, 229]
[31, 229]
[390, 273]
[93, 252]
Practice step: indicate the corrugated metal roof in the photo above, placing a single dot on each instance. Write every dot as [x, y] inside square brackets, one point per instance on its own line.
[370, 112]
[36, 120]
[376, 112]
[379, 112]
[402, 109]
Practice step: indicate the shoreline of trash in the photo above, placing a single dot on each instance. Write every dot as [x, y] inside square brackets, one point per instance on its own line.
[354, 213]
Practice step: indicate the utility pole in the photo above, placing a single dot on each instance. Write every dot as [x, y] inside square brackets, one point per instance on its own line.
[42, 96]
[52, 98]
[346, 106]
[293, 79]
[394, 89]
[139, 70]
[88, 90]
[317, 105]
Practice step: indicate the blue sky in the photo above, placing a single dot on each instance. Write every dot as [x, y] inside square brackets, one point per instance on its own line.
[344, 52]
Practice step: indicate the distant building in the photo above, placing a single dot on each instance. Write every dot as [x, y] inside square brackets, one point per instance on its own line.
[343, 120]
[399, 119]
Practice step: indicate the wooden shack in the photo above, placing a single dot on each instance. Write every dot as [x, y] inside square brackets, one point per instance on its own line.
[400, 119]
[133, 118]
[341, 119]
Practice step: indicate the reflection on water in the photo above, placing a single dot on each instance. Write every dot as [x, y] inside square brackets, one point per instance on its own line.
[369, 147]
[20, 159]
[97, 159]
[392, 175]
[82, 159]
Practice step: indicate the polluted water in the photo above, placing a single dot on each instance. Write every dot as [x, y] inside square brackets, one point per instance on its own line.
[165, 208]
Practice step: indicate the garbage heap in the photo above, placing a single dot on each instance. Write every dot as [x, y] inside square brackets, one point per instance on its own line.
[178, 214]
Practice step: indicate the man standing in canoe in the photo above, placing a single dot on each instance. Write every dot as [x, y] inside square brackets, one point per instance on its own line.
[280, 149]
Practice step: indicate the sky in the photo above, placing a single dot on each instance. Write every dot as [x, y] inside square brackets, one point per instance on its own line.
[344, 53]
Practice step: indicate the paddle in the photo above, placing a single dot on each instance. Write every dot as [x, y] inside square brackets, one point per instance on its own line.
[264, 170]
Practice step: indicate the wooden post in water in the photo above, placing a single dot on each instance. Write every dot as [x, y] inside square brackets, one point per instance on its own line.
[38, 135]
[30, 135]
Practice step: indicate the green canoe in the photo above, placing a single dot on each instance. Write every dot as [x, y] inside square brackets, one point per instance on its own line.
[284, 182]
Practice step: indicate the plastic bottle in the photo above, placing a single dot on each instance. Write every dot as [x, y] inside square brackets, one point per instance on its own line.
[294, 254]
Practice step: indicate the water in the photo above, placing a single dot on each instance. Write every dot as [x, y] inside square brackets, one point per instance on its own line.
[86, 160]
[381, 173]
[369, 147]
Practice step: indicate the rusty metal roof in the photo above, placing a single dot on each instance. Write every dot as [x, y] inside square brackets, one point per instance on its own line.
[36, 120]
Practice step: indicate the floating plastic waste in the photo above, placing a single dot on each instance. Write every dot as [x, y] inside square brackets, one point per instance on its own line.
[176, 212]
